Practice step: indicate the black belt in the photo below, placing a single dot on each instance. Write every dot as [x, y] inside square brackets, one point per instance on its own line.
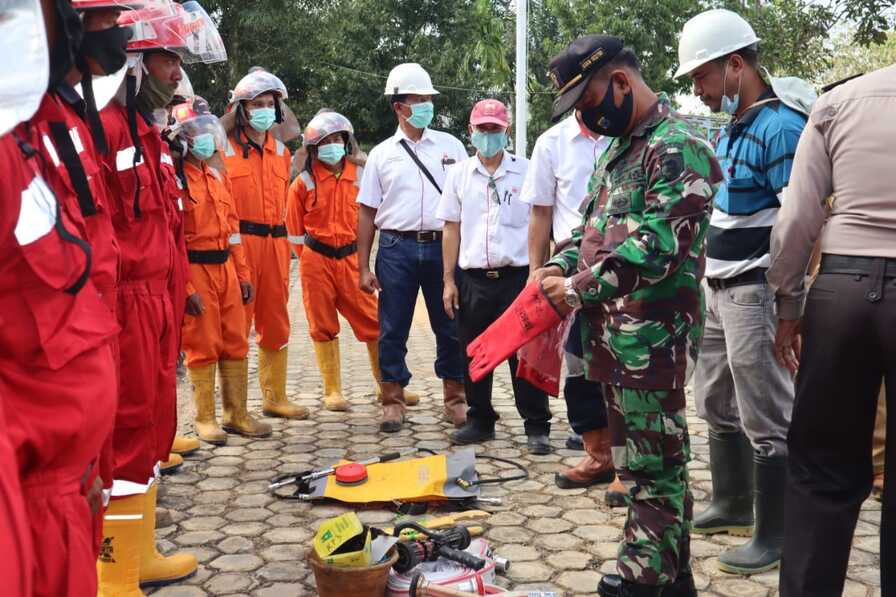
[856, 266]
[329, 250]
[754, 276]
[212, 257]
[277, 231]
[421, 236]
[496, 273]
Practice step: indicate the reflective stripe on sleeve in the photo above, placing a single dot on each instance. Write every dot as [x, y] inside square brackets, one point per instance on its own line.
[296, 239]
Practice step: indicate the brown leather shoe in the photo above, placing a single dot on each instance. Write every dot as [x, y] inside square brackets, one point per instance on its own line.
[455, 402]
[393, 407]
[877, 489]
[595, 468]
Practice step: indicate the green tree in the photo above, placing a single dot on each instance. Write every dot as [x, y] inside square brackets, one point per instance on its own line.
[850, 59]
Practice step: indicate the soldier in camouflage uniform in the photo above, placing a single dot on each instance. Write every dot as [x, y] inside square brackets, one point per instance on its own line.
[634, 267]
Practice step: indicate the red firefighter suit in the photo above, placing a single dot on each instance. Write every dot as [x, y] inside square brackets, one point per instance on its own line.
[56, 367]
[142, 213]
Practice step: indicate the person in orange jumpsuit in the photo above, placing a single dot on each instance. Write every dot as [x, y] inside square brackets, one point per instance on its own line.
[322, 216]
[165, 34]
[214, 330]
[258, 166]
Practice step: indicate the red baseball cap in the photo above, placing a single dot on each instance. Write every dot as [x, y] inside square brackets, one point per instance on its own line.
[489, 111]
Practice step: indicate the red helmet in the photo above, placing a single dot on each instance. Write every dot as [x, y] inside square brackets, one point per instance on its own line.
[184, 29]
[101, 4]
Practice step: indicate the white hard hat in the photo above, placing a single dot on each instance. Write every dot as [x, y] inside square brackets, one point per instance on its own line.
[409, 78]
[710, 35]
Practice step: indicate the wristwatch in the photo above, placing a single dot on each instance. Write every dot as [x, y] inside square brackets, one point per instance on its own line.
[571, 297]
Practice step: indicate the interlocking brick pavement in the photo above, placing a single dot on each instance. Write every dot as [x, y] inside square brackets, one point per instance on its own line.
[249, 543]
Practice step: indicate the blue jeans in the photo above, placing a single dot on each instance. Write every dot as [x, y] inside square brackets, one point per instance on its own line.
[403, 267]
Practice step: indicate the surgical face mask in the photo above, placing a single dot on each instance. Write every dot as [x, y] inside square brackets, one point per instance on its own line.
[488, 144]
[331, 153]
[107, 47]
[421, 114]
[605, 118]
[203, 146]
[262, 119]
[154, 94]
[730, 105]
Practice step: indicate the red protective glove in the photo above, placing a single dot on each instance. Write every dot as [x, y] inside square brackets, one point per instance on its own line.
[527, 317]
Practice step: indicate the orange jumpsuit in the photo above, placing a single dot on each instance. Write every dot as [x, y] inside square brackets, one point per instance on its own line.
[322, 208]
[260, 180]
[212, 227]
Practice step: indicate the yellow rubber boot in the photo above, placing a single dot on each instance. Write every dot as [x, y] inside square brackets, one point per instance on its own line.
[373, 351]
[272, 378]
[331, 371]
[172, 465]
[118, 567]
[234, 394]
[184, 445]
[205, 423]
[157, 570]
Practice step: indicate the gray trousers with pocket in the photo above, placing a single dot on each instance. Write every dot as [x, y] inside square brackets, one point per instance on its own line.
[738, 384]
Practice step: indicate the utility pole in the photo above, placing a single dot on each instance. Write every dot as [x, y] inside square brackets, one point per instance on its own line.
[522, 62]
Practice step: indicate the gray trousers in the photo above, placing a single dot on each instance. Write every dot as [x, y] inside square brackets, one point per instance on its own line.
[737, 383]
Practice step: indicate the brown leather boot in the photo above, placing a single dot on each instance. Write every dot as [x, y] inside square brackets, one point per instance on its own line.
[455, 402]
[393, 407]
[616, 492]
[595, 468]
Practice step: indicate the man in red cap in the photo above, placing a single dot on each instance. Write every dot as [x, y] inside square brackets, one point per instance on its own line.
[486, 234]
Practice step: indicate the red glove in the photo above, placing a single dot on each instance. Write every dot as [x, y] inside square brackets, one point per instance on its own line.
[527, 317]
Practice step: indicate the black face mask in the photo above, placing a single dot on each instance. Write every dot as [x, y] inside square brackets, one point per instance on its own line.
[605, 118]
[65, 50]
[107, 47]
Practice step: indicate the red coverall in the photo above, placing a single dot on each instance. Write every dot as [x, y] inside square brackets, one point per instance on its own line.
[180, 274]
[325, 208]
[211, 224]
[56, 368]
[59, 115]
[146, 417]
[259, 184]
[15, 536]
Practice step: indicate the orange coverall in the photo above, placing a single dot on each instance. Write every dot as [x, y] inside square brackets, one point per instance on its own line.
[324, 207]
[259, 182]
[211, 224]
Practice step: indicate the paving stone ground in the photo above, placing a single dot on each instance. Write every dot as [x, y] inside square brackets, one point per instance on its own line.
[249, 543]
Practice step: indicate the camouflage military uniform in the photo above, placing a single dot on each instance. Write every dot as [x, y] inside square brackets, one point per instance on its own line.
[637, 262]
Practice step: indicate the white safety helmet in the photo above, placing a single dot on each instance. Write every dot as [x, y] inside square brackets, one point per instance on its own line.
[325, 124]
[407, 78]
[710, 35]
[256, 83]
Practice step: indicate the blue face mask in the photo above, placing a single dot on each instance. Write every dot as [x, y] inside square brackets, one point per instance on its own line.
[730, 105]
[203, 146]
[421, 115]
[331, 153]
[488, 144]
[262, 119]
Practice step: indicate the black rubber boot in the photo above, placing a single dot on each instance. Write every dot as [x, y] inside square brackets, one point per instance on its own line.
[473, 432]
[763, 551]
[731, 464]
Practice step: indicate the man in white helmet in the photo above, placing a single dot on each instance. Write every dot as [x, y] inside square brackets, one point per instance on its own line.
[741, 392]
[399, 193]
